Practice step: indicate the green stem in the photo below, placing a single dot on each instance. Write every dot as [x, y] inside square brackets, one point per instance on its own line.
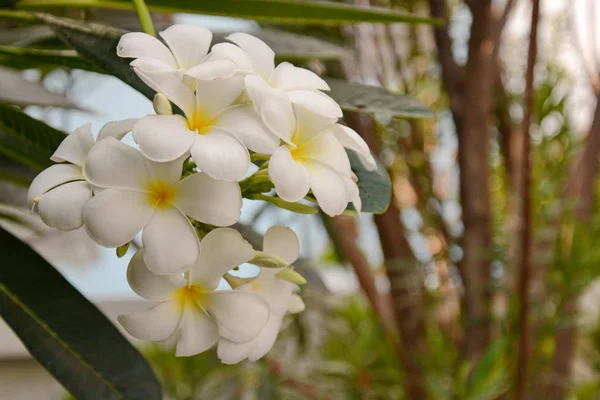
[20, 15]
[144, 17]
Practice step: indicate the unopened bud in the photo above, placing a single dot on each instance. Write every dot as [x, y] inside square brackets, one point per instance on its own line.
[162, 105]
[288, 274]
[267, 260]
[122, 250]
[235, 281]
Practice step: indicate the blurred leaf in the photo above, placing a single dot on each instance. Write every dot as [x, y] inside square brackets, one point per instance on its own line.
[375, 187]
[490, 378]
[32, 58]
[27, 136]
[65, 332]
[374, 99]
[98, 44]
[282, 11]
[14, 89]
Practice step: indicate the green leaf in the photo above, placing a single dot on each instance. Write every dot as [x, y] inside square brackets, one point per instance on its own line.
[374, 99]
[33, 58]
[282, 11]
[375, 187]
[26, 139]
[98, 44]
[66, 333]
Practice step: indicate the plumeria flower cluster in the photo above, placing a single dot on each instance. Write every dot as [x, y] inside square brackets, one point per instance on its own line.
[178, 188]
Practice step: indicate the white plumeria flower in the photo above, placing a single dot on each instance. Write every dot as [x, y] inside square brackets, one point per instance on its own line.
[189, 308]
[61, 191]
[278, 294]
[300, 85]
[137, 194]
[217, 133]
[312, 158]
[185, 56]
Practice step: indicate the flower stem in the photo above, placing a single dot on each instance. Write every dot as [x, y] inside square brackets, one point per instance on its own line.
[144, 16]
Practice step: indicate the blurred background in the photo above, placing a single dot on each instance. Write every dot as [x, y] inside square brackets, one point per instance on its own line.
[481, 279]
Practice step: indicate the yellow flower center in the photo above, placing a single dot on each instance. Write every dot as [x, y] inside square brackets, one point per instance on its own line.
[299, 151]
[161, 194]
[200, 122]
[192, 293]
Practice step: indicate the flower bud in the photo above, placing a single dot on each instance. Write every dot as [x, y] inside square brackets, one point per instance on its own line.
[162, 105]
[288, 274]
[267, 260]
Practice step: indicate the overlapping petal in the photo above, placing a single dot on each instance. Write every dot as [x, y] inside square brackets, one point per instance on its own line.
[282, 241]
[170, 241]
[188, 43]
[220, 251]
[221, 155]
[208, 200]
[52, 177]
[352, 140]
[289, 176]
[75, 147]
[113, 217]
[157, 323]
[243, 123]
[261, 55]
[117, 129]
[142, 45]
[287, 76]
[240, 316]
[329, 188]
[163, 137]
[149, 285]
[62, 207]
[198, 332]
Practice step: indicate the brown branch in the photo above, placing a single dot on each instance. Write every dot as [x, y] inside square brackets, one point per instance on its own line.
[343, 232]
[526, 222]
[307, 390]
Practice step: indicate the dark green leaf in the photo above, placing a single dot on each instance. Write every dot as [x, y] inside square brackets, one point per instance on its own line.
[374, 99]
[26, 139]
[66, 333]
[375, 187]
[98, 44]
[33, 58]
[281, 11]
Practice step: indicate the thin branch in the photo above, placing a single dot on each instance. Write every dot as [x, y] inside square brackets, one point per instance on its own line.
[525, 253]
[591, 69]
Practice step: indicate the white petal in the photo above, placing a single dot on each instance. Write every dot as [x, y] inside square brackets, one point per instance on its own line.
[289, 77]
[170, 241]
[214, 96]
[197, 333]
[262, 56]
[282, 241]
[113, 217]
[221, 156]
[157, 323]
[228, 51]
[295, 304]
[353, 193]
[208, 200]
[309, 124]
[147, 284]
[166, 172]
[75, 147]
[232, 353]
[212, 69]
[166, 81]
[326, 149]
[51, 177]
[243, 123]
[329, 189]
[138, 45]
[240, 316]
[317, 102]
[62, 207]
[221, 250]
[265, 341]
[352, 140]
[189, 43]
[163, 137]
[289, 176]
[113, 164]
[117, 129]
[273, 106]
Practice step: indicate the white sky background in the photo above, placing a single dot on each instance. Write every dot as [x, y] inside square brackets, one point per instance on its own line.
[114, 100]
